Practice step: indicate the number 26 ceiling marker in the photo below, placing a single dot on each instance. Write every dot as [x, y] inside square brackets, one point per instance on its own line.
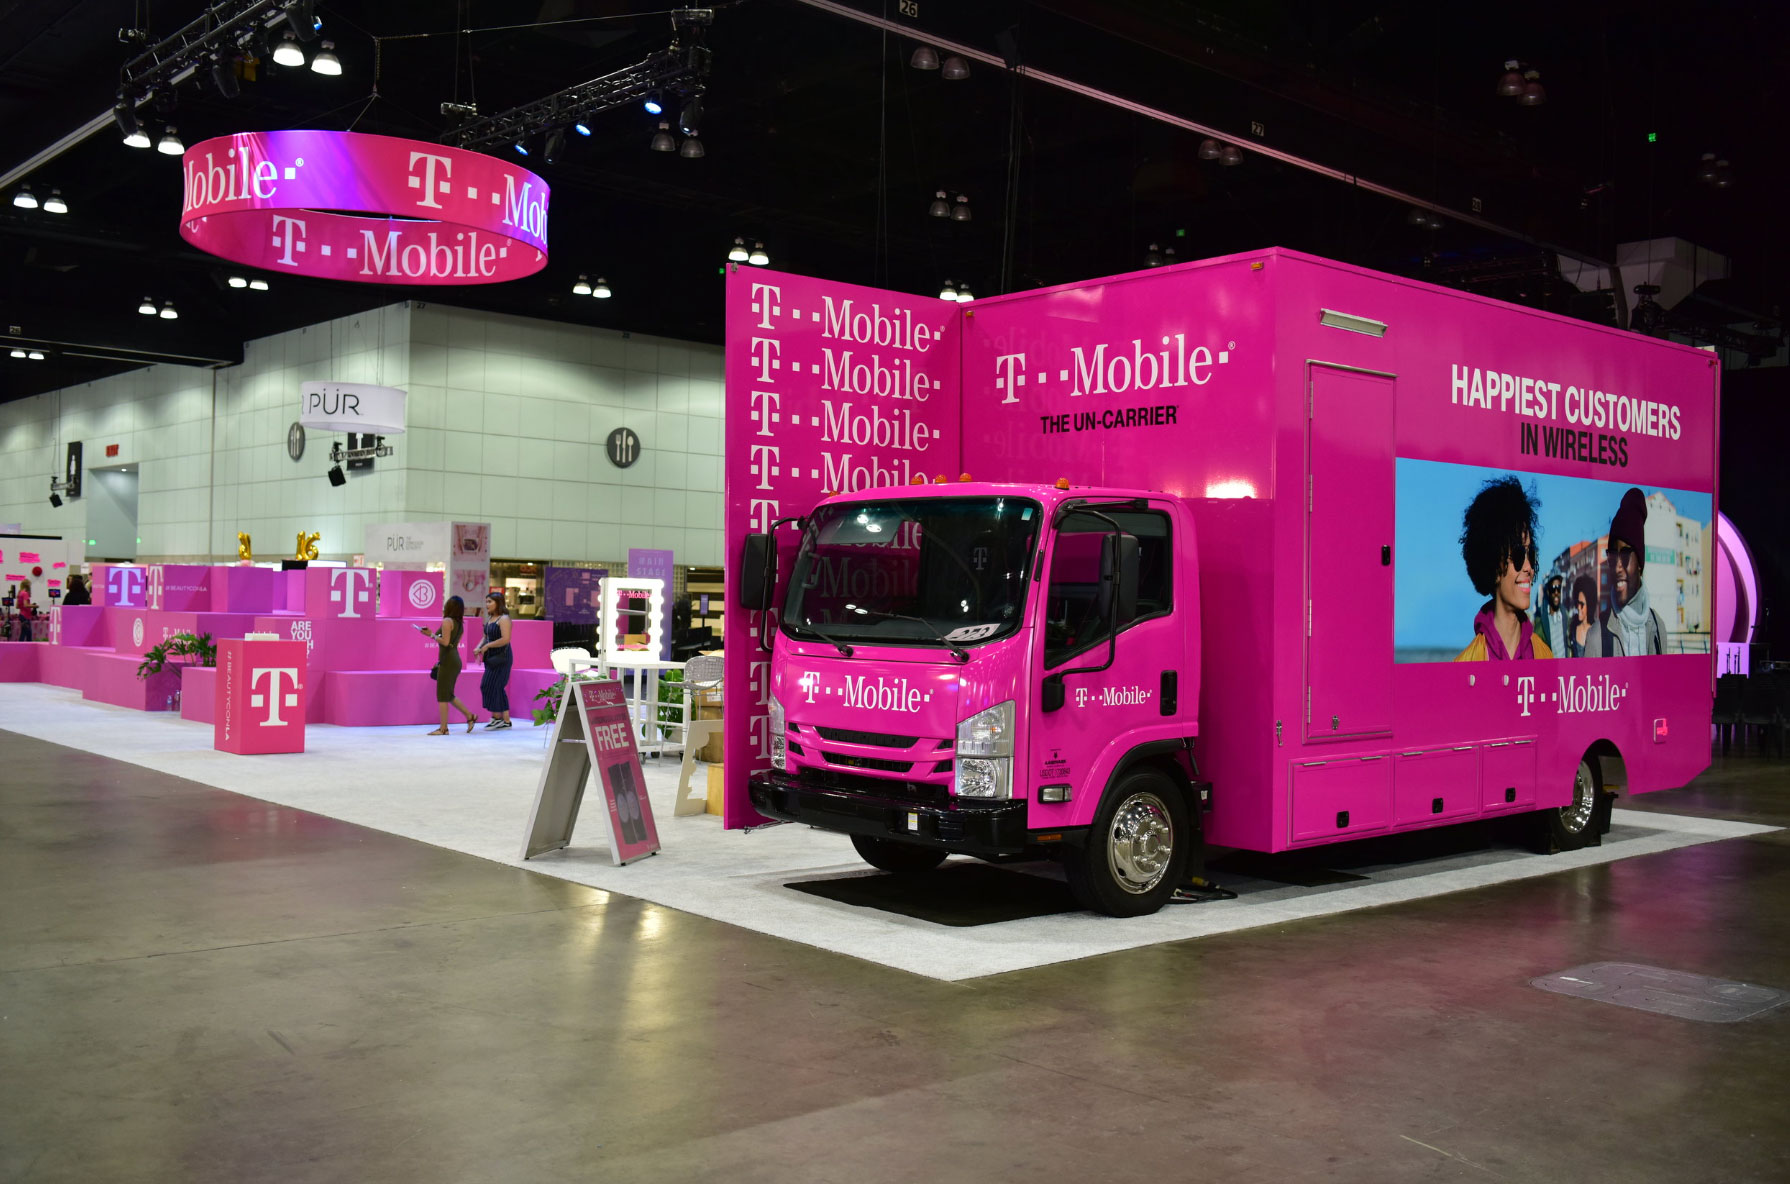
[375, 209]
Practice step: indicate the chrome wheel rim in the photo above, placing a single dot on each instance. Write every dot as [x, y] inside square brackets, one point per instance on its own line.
[1139, 843]
[1577, 816]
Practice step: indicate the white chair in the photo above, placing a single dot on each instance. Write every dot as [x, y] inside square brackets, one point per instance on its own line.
[702, 672]
[565, 660]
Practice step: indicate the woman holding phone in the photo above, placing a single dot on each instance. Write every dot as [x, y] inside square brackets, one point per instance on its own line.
[447, 662]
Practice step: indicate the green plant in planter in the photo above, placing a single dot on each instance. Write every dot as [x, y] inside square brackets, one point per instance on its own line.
[671, 690]
[549, 697]
[180, 645]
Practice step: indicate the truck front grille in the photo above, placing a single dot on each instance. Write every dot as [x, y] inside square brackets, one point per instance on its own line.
[875, 739]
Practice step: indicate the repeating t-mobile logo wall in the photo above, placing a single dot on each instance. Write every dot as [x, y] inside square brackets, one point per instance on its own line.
[830, 388]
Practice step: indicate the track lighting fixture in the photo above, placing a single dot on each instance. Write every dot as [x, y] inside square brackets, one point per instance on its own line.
[601, 290]
[689, 120]
[169, 144]
[168, 313]
[1230, 156]
[758, 258]
[1209, 150]
[925, 58]
[147, 308]
[948, 292]
[582, 287]
[24, 198]
[54, 204]
[691, 148]
[132, 131]
[961, 211]
[287, 52]
[954, 69]
[663, 140]
[223, 77]
[326, 61]
[940, 207]
[738, 253]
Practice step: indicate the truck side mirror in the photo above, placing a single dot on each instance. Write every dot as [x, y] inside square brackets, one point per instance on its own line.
[1118, 568]
[758, 571]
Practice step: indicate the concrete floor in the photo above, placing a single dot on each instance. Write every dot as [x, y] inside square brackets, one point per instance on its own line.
[199, 986]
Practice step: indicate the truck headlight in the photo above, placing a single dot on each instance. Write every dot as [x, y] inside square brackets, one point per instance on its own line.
[984, 761]
[778, 731]
[987, 733]
[984, 777]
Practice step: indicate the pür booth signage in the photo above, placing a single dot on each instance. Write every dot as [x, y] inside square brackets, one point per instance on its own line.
[372, 209]
[351, 407]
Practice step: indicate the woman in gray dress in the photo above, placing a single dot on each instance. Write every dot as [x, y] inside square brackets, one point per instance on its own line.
[447, 662]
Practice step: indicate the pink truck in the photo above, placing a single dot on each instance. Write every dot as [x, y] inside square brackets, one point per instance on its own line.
[1265, 552]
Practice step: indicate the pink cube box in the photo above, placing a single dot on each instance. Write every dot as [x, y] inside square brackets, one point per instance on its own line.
[179, 587]
[410, 593]
[259, 697]
[79, 624]
[246, 589]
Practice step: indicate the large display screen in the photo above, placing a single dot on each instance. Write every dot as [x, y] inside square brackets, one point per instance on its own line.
[1595, 568]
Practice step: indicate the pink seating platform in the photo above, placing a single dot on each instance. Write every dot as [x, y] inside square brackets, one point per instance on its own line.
[368, 666]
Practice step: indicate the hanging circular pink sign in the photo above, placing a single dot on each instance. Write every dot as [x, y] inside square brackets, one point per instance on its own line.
[375, 209]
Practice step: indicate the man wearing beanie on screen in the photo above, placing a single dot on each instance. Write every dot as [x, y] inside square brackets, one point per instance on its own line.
[1632, 628]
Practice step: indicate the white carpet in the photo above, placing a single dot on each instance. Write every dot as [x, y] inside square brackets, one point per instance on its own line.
[473, 794]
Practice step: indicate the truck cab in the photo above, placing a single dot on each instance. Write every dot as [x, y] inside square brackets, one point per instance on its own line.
[1000, 670]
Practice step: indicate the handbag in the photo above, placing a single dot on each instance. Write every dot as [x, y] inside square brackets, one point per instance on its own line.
[435, 672]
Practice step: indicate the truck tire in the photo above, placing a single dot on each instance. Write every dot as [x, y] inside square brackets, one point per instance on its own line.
[903, 859]
[1582, 821]
[1137, 849]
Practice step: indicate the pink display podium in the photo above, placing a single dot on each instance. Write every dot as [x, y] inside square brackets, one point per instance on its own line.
[411, 593]
[259, 697]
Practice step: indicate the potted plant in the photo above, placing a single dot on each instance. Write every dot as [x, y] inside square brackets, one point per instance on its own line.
[162, 664]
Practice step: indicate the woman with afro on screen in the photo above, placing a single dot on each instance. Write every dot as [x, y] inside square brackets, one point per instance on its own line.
[1498, 543]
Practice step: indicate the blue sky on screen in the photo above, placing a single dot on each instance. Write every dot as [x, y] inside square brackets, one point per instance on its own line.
[1434, 601]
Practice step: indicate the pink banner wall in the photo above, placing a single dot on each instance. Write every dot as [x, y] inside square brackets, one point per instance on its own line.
[830, 387]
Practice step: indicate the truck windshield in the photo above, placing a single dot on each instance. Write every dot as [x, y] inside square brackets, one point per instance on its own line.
[920, 571]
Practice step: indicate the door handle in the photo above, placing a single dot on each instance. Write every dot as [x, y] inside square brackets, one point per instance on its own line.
[1386, 556]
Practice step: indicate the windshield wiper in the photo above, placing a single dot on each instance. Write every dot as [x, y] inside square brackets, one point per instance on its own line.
[957, 651]
[811, 627]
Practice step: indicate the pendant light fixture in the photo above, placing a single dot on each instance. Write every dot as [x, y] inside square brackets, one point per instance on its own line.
[601, 291]
[147, 308]
[582, 287]
[758, 258]
[169, 144]
[738, 252]
[326, 61]
[24, 198]
[287, 52]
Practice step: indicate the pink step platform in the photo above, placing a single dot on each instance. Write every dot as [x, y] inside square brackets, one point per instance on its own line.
[20, 660]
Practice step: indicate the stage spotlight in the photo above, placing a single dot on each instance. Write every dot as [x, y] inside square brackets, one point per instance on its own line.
[257, 285]
[663, 140]
[24, 198]
[223, 77]
[581, 129]
[691, 148]
[521, 149]
[653, 105]
[169, 144]
[601, 291]
[168, 313]
[758, 258]
[147, 308]
[556, 139]
[126, 119]
[237, 281]
[690, 120]
[582, 287]
[738, 252]
[54, 204]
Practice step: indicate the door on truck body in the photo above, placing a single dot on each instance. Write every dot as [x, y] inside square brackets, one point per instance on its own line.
[1350, 474]
[1142, 687]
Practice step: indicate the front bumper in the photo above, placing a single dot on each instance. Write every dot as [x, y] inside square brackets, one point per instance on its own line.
[962, 827]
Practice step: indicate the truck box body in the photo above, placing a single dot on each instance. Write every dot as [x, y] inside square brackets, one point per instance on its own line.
[1289, 436]
[1312, 436]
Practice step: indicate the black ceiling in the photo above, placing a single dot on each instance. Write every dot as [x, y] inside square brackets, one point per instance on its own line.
[825, 145]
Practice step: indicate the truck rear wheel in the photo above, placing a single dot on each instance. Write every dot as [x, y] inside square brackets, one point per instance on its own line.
[1137, 849]
[1581, 821]
[903, 859]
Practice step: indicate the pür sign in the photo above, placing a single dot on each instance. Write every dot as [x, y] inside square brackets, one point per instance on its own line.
[351, 407]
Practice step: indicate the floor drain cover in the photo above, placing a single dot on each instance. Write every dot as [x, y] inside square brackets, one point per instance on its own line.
[1667, 992]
